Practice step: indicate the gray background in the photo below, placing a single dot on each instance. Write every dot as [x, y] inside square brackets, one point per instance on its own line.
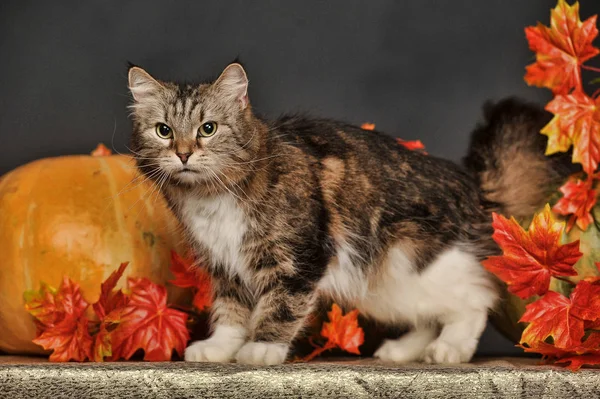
[418, 69]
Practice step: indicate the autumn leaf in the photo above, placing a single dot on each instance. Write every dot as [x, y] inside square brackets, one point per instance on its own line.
[147, 323]
[562, 318]
[531, 257]
[577, 361]
[561, 49]
[50, 306]
[367, 126]
[63, 327]
[576, 121]
[578, 200]
[412, 145]
[102, 346]
[343, 331]
[109, 299]
[187, 275]
[68, 340]
[101, 151]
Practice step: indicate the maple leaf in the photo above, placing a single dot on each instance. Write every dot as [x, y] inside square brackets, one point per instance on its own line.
[187, 275]
[102, 346]
[101, 151]
[50, 306]
[577, 361]
[578, 200]
[560, 317]
[147, 323]
[412, 145]
[561, 49]
[109, 299]
[343, 331]
[367, 126]
[63, 327]
[576, 121]
[531, 257]
[69, 340]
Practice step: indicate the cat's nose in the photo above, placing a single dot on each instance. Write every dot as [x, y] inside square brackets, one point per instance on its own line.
[184, 156]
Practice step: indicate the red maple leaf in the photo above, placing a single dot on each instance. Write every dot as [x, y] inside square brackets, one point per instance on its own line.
[109, 299]
[578, 200]
[50, 306]
[368, 126]
[561, 49]
[531, 257]
[62, 327]
[586, 353]
[562, 318]
[101, 151]
[576, 121]
[188, 275]
[147, 323]
[343, 331]
[68, 340]
[102, 346]
[412, 144]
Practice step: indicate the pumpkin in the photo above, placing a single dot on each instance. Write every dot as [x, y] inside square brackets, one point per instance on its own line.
[79, 216]
[506, 320]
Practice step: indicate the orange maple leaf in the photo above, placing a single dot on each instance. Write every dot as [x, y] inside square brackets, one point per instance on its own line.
[343, 331]
[531, 257]
[576, 121]
[561, 318]
[561, 49]
[101, 151]
[578, 200]
[147, 323]
[368, 126]
[188, 275]
[412, 144]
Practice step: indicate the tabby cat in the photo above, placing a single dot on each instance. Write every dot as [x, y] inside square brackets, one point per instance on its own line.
[284, 212]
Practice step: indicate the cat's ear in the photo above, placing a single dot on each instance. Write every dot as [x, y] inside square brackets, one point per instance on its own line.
[233, 84]
[142, 85]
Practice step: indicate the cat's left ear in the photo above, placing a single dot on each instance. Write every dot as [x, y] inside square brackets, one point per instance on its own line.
[142, 85]
[233, 84]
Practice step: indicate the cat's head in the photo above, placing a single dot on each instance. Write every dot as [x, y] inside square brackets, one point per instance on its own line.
[193, 134]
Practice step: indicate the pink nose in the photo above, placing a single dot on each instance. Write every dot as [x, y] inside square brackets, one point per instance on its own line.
[184, 157]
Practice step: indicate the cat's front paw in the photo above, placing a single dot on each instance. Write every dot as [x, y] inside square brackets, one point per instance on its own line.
[440, 351]
[209, 351]
[262, 353]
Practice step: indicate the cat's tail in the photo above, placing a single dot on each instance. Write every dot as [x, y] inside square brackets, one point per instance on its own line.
[506, 156]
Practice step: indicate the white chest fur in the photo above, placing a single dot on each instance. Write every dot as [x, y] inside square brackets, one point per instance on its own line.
[218, 224]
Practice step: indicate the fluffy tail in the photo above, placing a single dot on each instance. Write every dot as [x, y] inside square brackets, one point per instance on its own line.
[506, 155]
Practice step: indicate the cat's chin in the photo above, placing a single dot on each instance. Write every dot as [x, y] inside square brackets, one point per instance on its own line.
[187, 177]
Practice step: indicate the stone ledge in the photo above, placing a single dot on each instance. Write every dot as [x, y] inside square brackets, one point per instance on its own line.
[22, 377]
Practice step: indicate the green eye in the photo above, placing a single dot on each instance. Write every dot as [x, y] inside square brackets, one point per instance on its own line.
[164, 131]
[207, 129]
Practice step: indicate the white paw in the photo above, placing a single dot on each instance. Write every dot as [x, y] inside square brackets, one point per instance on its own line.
[440, 351]
[262, 353]
[209, 351]
[396, 351]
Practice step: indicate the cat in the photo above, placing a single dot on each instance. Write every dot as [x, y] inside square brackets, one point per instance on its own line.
[284, 212]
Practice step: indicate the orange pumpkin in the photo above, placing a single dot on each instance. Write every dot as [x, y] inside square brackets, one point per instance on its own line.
[79, 216]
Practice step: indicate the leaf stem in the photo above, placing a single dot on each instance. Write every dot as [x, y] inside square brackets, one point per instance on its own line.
[590, 68]
[317, 352]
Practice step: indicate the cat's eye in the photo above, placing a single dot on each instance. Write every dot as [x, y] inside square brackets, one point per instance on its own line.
[163, 131]
[207, 129]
